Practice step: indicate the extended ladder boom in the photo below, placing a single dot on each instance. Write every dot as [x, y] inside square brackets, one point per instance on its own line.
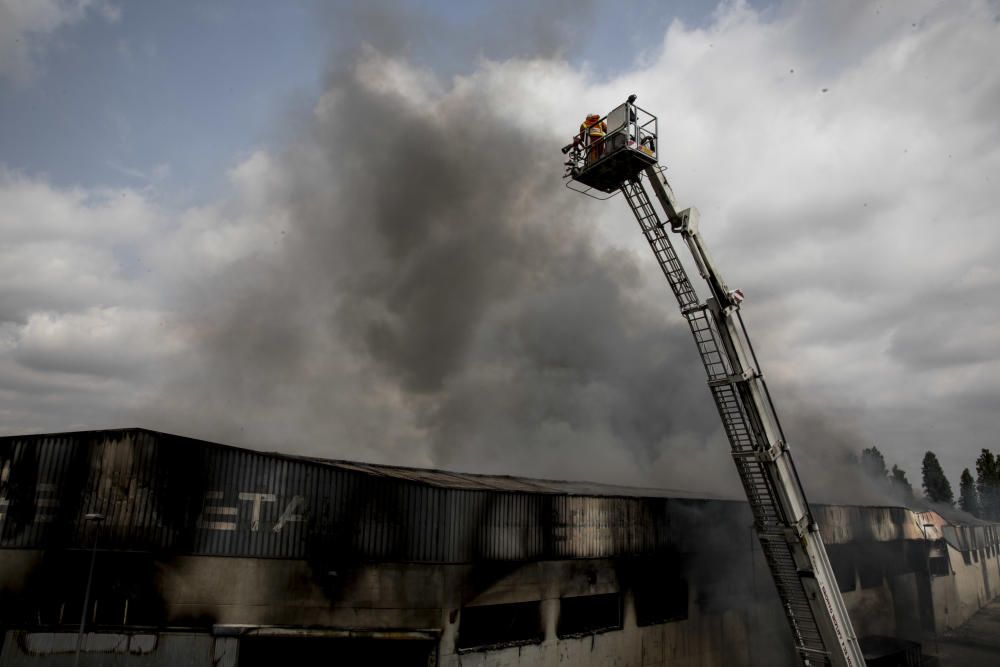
[611, 155]
[788, 534]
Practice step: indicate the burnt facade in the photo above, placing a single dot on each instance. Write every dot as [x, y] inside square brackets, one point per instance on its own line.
[216, 555]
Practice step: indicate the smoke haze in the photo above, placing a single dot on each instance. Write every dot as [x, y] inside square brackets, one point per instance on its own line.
[404, 279]
[434, 267]
[440, 299]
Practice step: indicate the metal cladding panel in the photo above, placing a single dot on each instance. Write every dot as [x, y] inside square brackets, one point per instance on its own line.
[166, 493]
[953, 537]
[163, 649]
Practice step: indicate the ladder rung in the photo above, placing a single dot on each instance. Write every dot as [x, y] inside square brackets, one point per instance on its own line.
[737, 420]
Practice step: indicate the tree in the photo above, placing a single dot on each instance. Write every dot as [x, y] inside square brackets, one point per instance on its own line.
[968, 499]
[988, 485]
[937, 488]
[900, 485]
[894, 484]
[873, 463]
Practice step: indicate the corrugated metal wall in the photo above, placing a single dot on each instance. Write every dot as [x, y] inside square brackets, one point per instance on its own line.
[162, 492]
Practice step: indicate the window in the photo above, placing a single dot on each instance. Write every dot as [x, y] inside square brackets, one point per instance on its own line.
[938, 566]
[892, 555]
[122, 592]
[966, 558]
[870, 572]
[919, 552]
[843, 567]
[500, 625]
[588, 614]
[320, 651]
[660, 601]
[938, 562]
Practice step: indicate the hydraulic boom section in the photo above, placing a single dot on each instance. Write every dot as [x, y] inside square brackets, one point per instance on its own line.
[789, 536]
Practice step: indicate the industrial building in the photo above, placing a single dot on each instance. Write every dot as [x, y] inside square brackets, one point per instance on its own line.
[183, 552]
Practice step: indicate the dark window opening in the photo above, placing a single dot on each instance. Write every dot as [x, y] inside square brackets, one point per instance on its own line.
[661, 601]
[975, 555]
[966, 558]
[893, 557]
[870, 572]
[588, 614]
[843, 567]
[939, 566]
[500, 624]
[314, 652]
[917, 552]
[122, 590]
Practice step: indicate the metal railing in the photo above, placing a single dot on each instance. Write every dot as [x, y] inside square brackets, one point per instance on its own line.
[630, 127]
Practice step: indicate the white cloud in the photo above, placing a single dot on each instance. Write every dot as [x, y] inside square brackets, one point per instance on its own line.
[110, 342]
[32, 210]
[850, 216]
[89, 289]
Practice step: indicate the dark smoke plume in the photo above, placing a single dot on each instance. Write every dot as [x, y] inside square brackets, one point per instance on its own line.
[441, 299]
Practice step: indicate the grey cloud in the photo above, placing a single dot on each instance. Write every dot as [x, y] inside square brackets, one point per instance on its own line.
[950, 339]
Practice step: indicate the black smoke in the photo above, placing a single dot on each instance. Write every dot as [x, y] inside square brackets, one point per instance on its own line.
[441, 298]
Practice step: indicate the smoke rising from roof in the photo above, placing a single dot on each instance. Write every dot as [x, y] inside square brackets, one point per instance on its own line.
[439, 299]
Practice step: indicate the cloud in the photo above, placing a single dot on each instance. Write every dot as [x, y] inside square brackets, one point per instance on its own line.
[850, 218]
[408, 282]
[89, 280]
[102, 342]
[26, 26]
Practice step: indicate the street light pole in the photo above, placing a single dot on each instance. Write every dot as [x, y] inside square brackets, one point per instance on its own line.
[93, 517]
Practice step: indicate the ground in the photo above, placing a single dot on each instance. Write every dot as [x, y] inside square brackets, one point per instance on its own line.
[976, 643]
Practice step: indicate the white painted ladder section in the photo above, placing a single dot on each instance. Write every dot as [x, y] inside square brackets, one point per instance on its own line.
[788, 534]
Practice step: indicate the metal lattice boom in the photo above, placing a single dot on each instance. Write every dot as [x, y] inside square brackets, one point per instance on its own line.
[788, 534]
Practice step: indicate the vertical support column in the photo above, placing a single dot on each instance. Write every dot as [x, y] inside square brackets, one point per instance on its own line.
[226, 652]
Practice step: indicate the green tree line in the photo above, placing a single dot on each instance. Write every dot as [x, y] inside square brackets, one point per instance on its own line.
[979, 495]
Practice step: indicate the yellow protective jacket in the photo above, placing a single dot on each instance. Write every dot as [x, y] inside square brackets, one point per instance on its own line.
[592, 128]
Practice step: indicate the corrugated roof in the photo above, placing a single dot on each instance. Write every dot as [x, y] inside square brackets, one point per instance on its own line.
[475, 481]
[445, 479]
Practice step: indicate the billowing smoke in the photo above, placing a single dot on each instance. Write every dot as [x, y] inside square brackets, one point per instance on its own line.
[826, 445]
[439, 298]
[398, 275]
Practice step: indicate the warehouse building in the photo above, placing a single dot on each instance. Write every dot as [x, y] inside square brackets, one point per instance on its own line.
[182, 552]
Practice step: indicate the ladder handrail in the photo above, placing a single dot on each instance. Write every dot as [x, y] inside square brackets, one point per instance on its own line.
[789, 536]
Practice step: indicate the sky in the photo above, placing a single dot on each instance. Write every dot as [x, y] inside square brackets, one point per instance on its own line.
[340, 230]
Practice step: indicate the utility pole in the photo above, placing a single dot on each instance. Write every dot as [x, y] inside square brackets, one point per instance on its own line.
[96, 518]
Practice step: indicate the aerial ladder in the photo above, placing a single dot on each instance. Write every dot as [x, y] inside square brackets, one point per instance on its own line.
[619, 156]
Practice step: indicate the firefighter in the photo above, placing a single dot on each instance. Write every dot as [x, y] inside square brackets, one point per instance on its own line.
[592, 131]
